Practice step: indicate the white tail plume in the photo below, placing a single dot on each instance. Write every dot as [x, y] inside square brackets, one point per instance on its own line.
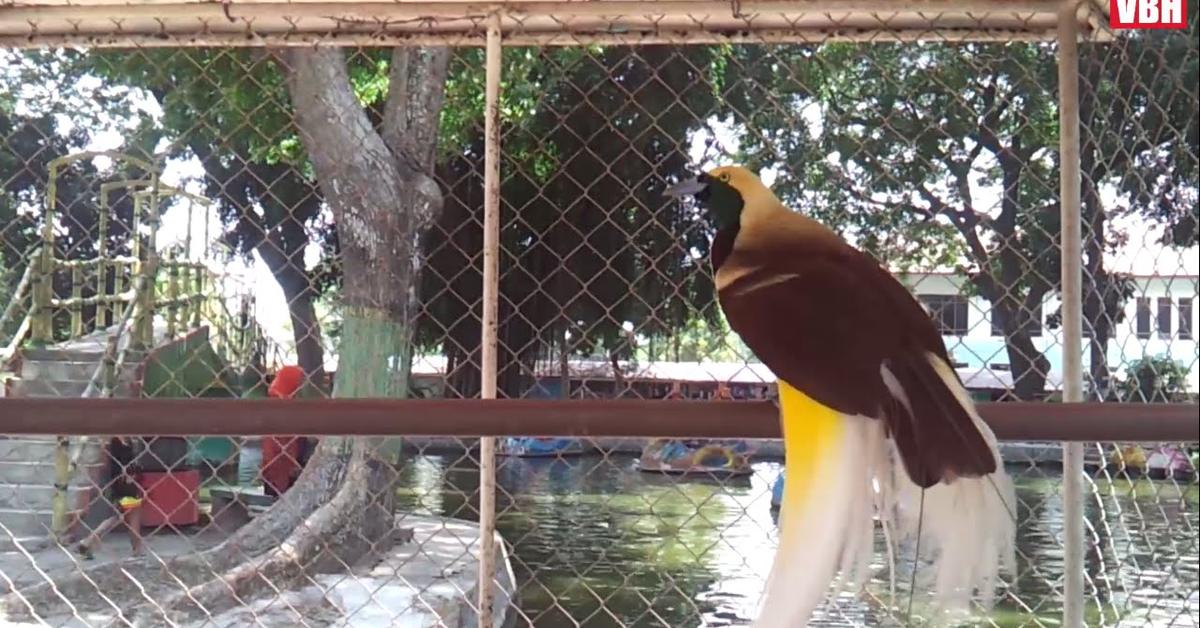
[842, 470]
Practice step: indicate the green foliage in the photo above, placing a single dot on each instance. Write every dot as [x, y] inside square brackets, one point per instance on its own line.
[589, 242]
[944, 155]
[1147, 128]
[892, 131]
[1153, 379]
[698, 340]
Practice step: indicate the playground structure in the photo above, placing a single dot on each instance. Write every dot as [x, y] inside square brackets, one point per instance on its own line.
[135, 318]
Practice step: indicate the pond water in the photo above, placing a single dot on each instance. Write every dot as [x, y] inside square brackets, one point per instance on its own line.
[596, 543]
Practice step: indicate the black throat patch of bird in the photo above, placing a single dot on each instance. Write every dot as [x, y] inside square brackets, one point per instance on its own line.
[716, 194]
[722, 202]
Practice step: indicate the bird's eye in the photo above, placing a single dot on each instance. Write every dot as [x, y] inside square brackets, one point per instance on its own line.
[724, 177]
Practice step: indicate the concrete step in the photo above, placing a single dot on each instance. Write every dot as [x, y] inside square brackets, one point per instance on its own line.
[35, 496]
[82, 351]
[30, 544]
[23, 523]
[170, 451]
[70, 370]
[38, 472]
[41, 449]
[46, 388]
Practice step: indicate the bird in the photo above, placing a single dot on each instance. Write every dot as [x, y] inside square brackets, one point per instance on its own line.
[875, 420]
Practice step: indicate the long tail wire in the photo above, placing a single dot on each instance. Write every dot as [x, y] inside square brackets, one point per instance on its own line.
[912, 584]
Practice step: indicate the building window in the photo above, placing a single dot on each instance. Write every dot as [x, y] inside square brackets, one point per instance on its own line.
[949, 311]
[1143, 317]
[1164, 317]
[1035, 325]
[1185, 318]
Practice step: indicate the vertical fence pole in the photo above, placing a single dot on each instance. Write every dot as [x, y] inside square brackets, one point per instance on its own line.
[491, 295]
[76, 301]
[197, 294]
[147, 273]
[102, 306]
[1072, 308]
[172, 292]
[41, 317]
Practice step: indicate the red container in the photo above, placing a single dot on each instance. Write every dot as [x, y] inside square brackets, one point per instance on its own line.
[171, 498]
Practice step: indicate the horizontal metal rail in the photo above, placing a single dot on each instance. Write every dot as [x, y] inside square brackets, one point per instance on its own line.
[597, 418]
[95, 261]
[35, 23]
[75, 302]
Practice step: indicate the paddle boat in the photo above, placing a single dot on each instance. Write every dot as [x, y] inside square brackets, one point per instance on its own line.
[534, 447]
[1169, 462]
[1127, 458]
[1159, 463]
[699, 457]
[721, 458]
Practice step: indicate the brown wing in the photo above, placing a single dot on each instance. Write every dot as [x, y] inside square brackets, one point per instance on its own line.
[825, 319]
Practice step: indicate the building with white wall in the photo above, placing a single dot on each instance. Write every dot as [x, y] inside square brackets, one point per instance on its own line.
[1160, 320]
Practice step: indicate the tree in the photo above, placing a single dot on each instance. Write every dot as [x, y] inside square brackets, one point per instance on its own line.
[379, 186]
[912, 134]
[588, 243]
[914, 140]
[1153, 380]
[21, 142]
[230, 109]
[265, 190]
[1139, 134]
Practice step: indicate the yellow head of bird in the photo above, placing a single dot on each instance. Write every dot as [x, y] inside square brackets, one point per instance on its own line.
[725, 192]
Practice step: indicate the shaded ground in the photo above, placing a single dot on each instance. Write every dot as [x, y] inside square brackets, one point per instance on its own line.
[429, 581]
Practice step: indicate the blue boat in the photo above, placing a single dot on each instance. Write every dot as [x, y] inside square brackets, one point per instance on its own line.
[777, 492]
[532, 447]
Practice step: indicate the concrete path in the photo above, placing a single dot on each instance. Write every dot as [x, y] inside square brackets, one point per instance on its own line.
[428, 582]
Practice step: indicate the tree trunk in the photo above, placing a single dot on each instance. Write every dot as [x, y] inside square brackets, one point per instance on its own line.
[1027, 365]
[1098, 314]
[281, 246]
[287, 266]
[383, 196]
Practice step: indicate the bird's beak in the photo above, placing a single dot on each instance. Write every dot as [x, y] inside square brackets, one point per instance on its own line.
[686, 187]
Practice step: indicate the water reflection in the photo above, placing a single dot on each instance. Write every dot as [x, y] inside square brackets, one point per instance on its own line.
[596, 543]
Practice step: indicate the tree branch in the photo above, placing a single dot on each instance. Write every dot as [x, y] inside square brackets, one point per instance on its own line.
[341, 137]
[863, 196]
[964, 221]
[962, 180]
[355, 169]
[986, 135]
[410, 124]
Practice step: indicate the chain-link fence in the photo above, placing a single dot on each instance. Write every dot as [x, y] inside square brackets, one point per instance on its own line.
[199, 200]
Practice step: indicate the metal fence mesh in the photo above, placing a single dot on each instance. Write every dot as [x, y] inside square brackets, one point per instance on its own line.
[191, 221]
